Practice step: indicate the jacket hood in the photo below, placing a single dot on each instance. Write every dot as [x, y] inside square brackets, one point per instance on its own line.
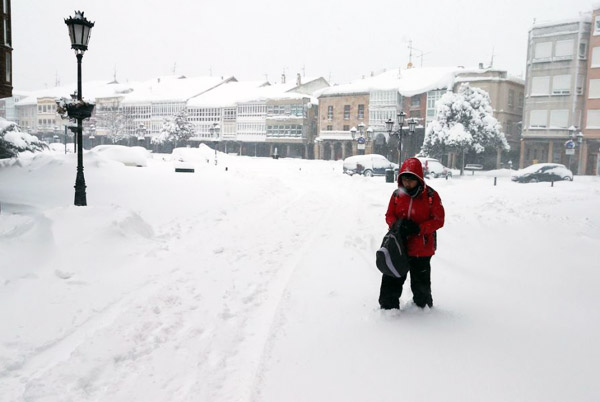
[412, 166]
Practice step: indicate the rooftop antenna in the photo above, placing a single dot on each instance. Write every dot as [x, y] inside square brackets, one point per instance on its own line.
[492, 60]
[411, 47]
[57, 80]
[174, 67]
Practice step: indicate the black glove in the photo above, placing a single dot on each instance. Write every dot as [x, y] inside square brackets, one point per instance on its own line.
[410, 227]
[406, 227]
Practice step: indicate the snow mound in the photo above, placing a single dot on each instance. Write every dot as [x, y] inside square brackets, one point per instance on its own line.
[101, 224]
[59, 147]
[129, 156]
[203, 154]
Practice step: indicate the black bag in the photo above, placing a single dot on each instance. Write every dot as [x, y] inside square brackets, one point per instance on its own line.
[391, 258]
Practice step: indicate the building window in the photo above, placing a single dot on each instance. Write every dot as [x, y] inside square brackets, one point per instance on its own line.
[329, 128]
[583, 50]
[415, 101]
[540, 86]
[542, 51]
[559, 118]
[597, 25]
[361, 112]
[6, 36]
[432, 98]
[520, 101]
[329, 112]
[346, 128]
[593, 119]
[561, 84]
[511, 98]
[594, 89]
[595, 57]
[538, 119]
[346, 112]
[564, 49]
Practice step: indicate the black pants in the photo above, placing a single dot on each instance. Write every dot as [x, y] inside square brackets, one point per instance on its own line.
[420, 284]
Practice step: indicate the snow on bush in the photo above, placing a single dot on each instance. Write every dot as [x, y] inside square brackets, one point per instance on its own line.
[13, 140]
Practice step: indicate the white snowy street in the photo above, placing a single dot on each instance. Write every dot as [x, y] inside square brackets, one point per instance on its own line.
[258, 283]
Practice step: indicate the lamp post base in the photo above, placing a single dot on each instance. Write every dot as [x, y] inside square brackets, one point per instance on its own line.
[80, 196]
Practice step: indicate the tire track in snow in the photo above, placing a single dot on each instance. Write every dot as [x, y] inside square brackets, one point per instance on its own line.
[277, 316]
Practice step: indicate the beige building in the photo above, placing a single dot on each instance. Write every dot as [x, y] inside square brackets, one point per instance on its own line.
[588, 152]
[338, 114]
[507, 99]
[557, 56]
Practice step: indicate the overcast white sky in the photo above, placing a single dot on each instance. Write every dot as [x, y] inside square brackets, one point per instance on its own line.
[337, 39]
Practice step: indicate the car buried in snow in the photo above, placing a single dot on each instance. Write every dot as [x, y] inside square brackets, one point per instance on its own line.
[543, 172]
[434, 168]
[368, 165]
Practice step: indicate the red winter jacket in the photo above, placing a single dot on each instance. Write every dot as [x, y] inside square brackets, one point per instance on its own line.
[428, 213]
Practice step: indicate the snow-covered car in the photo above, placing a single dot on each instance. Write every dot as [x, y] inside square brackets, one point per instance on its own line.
[129, 156]
[368, 165]
[543, 172]
[433, 167]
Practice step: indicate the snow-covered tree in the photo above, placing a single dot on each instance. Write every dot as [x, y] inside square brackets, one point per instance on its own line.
[464, 122]
[112, 119]
[176, 130]
[13, 140]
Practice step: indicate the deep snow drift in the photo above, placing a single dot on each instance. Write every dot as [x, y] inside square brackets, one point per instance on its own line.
[257, 283]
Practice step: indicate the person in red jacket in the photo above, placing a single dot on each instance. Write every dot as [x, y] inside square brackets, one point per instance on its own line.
[415, 211]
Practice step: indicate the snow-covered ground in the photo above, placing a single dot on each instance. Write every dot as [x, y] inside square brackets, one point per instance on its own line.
[257, 283]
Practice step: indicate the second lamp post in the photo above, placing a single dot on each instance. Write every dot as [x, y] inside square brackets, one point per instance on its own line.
[412, 123]
[215, 130]
[361, 140]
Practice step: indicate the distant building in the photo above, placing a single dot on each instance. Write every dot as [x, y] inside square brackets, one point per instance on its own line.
[5, 51]
[414, 91]
[507, 99]
[554, 90]
[590, 147]
[255, 118]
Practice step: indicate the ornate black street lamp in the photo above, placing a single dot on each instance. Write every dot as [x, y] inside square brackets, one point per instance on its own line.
[215, 130]
[580, 169]
[399, 134]
[79, 32]
[361, 139]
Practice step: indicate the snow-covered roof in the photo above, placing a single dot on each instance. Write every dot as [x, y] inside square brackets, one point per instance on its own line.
[228, 94]
[274, 92]
[585, 17]
[91, 90]
[407, 82]
[173, 88]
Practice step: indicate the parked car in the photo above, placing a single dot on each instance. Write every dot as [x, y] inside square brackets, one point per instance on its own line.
[543, 172]
[433, 167]
[368, 165]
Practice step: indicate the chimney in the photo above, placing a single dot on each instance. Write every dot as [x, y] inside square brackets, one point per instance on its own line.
[481, 66]
[298, 80]
[158, 79]
[283, 78]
